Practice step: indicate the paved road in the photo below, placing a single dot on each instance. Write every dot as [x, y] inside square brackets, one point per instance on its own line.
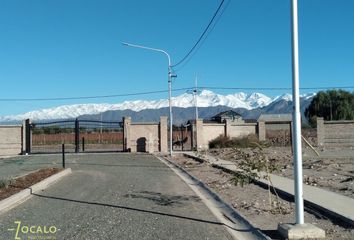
[115, 196]
[20, 165]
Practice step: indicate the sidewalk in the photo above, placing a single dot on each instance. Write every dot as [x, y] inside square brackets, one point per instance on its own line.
[333, 203]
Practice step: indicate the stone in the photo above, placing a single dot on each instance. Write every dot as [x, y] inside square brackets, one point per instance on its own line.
[301, 231]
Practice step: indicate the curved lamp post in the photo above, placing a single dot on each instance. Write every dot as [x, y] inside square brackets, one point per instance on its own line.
[170, 76]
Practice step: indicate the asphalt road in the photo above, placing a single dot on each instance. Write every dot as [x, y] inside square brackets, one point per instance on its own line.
[21, 165]
[113, 196]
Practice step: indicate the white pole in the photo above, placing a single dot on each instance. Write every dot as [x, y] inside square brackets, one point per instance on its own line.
[196, 97]
[299, 201]
[170, 105]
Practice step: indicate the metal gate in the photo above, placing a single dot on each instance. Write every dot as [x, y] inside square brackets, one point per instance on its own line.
[77, 135]
[182, 137]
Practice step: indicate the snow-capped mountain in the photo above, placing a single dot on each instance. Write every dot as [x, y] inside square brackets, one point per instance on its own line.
[289, 97]
[205, 98]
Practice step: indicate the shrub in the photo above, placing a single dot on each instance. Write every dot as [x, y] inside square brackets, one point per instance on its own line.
[240, 142]
[4, 183]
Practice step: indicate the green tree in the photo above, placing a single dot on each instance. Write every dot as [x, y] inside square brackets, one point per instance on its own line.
[331, 105]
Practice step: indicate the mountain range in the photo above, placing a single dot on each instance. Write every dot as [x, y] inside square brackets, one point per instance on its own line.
[250, 106]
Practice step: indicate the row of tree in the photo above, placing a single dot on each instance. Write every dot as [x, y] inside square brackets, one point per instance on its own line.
[331, 105]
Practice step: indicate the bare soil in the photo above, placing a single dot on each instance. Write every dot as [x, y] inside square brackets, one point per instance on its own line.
[333, 170]
[18, 184]
[257, 204]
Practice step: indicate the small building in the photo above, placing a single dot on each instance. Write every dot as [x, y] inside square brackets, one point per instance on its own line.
[229, 115]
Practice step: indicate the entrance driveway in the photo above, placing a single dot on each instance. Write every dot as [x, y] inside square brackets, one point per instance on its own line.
[113, 196]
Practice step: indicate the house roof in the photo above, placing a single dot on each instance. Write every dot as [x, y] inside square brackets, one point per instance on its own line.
[229, 113]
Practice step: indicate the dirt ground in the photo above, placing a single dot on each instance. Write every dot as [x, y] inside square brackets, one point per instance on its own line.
[333, 170]
[12, 186]
[257, 205]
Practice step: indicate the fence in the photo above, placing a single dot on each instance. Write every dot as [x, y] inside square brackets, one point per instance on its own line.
[273, 127]
[93, 136]
[77, 135]
[205, 132]
[10, 140]
[182, 138]
[335, 133]
[80, 135]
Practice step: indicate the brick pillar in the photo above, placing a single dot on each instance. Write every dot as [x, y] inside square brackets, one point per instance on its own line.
[200, 135]
[150, 148]
[23, 141]
[126, 134]
[261, 131]
[320, 131]
[163, 135]
[192, 128]
[227, 127]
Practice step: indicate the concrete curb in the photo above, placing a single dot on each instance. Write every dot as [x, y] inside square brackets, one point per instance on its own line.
[20, 197]
[235, 223]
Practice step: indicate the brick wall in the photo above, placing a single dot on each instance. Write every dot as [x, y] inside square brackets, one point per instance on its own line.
[209, 131]
[145, 137]
[335, 133]
[10, 140]
[241, 129]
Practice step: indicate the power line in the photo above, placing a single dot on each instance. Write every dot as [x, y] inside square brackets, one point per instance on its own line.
[276, 88]
[201, 36]
[164, 91]
[180, 67]
[87, 97]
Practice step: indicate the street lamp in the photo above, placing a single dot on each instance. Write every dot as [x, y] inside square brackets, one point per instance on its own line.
[299, 201]
[300, 229]
[170, 76]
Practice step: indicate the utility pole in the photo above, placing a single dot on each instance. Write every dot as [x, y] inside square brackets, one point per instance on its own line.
[195, 94]
[299, 230]
[196, 97]
[299, 201]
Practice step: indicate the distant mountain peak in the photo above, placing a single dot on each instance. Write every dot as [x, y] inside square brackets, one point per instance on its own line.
[206, 98]
[205, 92]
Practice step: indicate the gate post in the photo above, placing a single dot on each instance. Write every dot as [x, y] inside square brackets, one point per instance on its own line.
[77, 135]
[261, 131]
[320, 131]
[26, 137]
[163, 135]
[200, 135]
[126, 134]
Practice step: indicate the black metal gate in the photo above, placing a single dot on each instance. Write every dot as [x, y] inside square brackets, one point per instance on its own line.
[182, 138]
[77, 135]
[96, 136]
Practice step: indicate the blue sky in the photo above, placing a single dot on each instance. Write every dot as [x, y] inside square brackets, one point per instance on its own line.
[72, 47]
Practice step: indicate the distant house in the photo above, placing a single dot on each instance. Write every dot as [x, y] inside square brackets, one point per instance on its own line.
[229, 115]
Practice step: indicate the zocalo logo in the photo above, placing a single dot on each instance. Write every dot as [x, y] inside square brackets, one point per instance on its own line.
[37, 230]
